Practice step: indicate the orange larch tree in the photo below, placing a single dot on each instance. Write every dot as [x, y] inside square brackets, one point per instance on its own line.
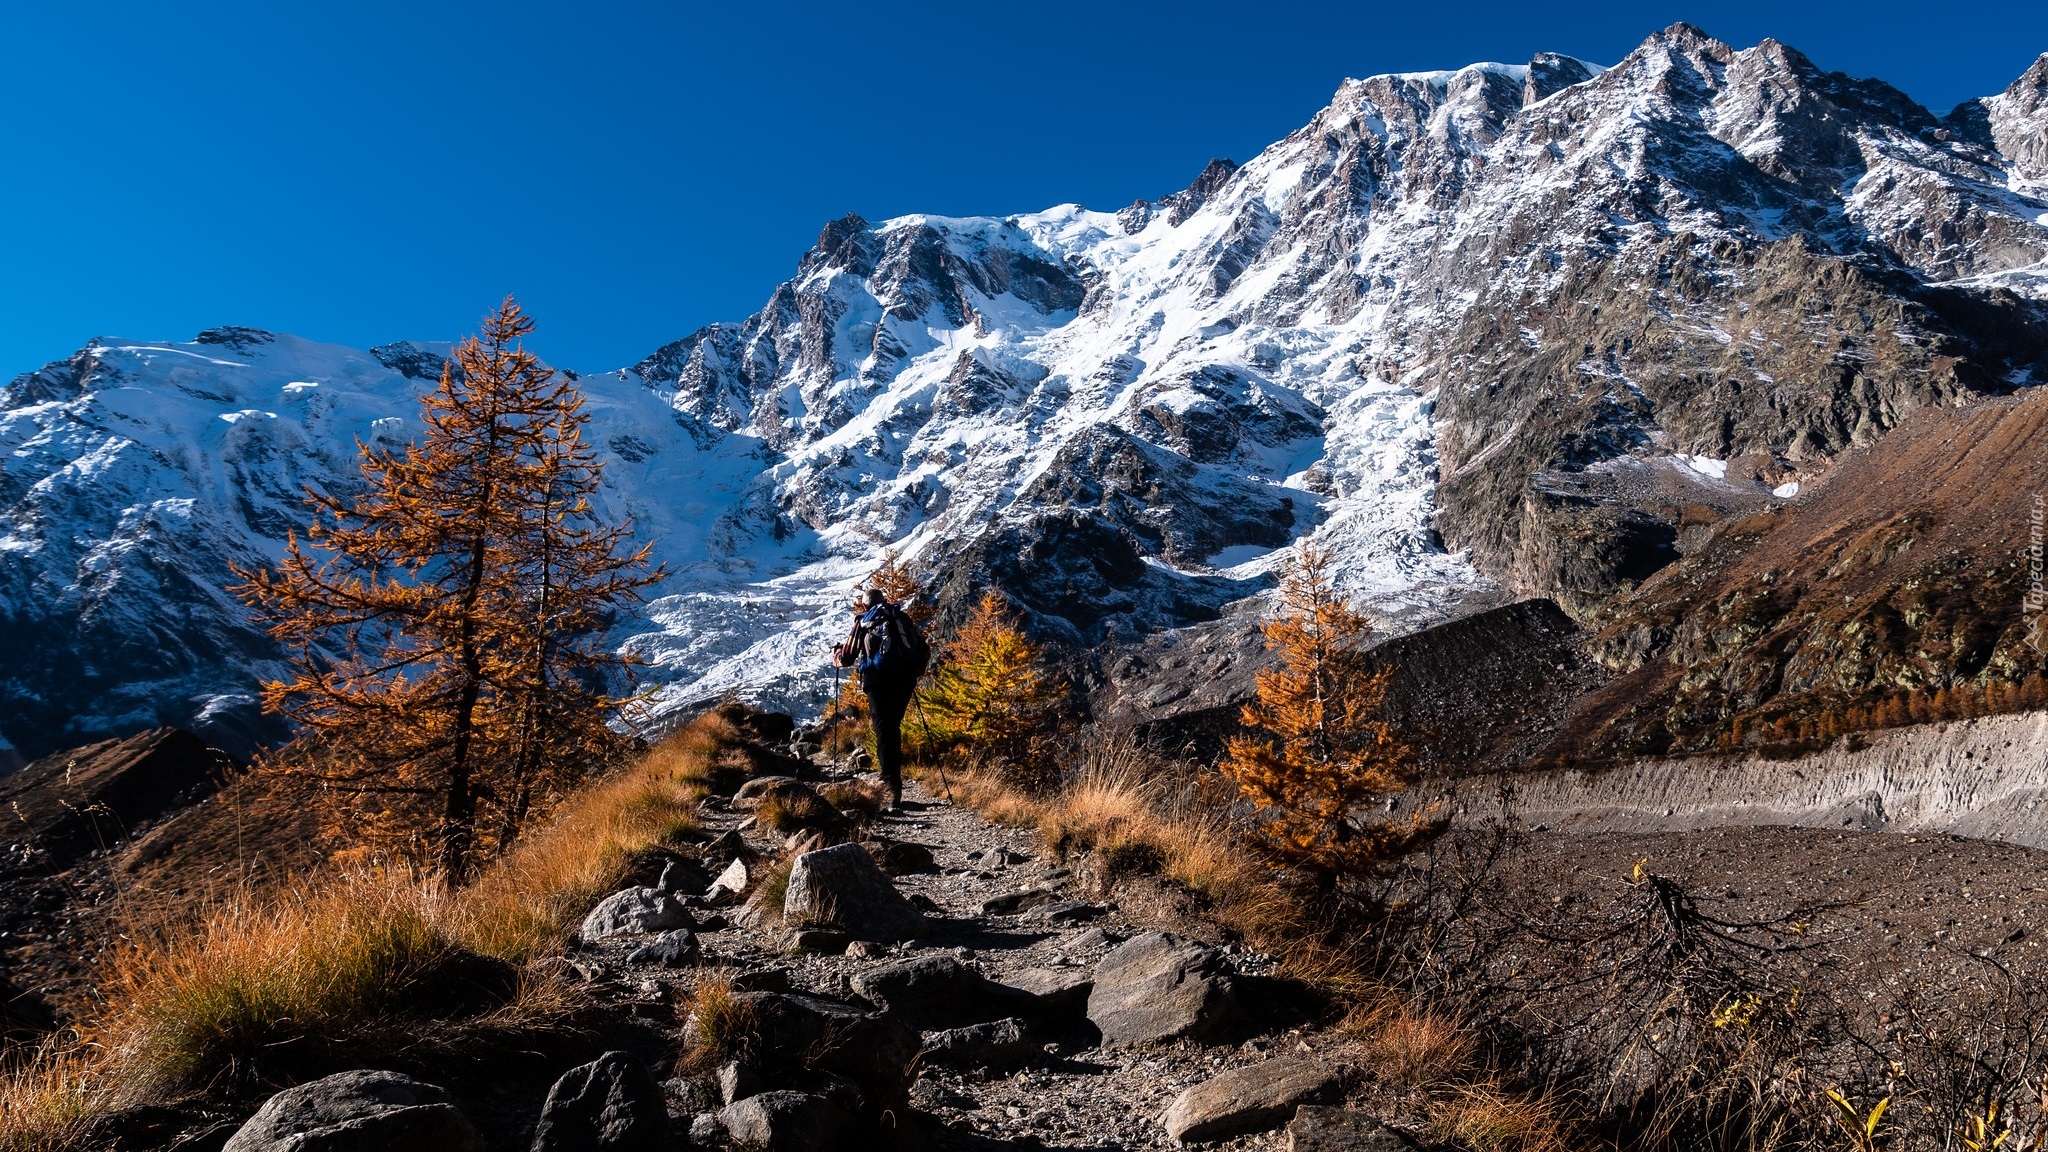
[445, 626]
[1320, 751]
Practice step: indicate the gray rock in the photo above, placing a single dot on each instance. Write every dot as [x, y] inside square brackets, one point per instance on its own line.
[817, 941]
[1092, 939]
[633, 911]
[1003, 1043]
[350, 1111]
[1256, 1098]
[761, 787]
[687, 1097]
[840, 887]
[704, 1129]
[727, 847]
[676, 949]
[786, 1122]
[738, 1080]
[936, 991]
[1056, 990]
[1015, 902]
[1317, 1128]
[796, 1035]
[680, 876]
[1159, 987]
[1068, 913]
[727, 888]
[761, 980]
[608, 1105]
[901, 857]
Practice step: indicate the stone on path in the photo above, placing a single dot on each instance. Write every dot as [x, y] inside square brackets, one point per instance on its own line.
[761, 787]
[784, 1121]
[1317, 1128]
[1015, 902]
[1056, 990]
[728, 886]
[901, 857]
[1160, 987]
[1251, 1099]
[936, 991]
[999, 1044]
[608, 1105]
[728, 846]
[1068, 913]
[797, 1034]
[354, 1110]
[633, 911]
[676, 949]
[840, 887]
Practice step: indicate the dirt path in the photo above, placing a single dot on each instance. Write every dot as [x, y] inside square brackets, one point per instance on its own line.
[1079, 1095]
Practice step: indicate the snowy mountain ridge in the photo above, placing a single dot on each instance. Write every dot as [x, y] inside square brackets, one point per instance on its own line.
[1483, 332]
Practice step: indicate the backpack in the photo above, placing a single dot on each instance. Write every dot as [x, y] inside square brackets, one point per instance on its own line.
[901, 651]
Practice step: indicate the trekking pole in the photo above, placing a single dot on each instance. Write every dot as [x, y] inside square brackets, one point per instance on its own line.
[928, 741]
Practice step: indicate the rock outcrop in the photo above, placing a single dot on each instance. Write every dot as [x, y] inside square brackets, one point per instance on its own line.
[840, 887]
[356, 1110]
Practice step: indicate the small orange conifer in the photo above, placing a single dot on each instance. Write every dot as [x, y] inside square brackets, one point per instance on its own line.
[991, 696]
[1321, 750]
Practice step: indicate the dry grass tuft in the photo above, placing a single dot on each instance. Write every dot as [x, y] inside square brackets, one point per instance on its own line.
[859, 800]
[785, 812]
[1484, 1118]
[774, 886]
[47, 1098]
[719, 1026]
[1414, 1048]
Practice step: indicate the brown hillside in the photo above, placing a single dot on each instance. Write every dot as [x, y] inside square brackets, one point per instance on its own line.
[1893, 593]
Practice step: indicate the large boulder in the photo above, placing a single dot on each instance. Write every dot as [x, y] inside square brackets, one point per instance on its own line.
[608, 1105]
[634, 912]
[796, 1036]
[936, 991]
[1257, 1098]
[1160, 987]
[356, 1112]
[840, 887]
[786, 1122]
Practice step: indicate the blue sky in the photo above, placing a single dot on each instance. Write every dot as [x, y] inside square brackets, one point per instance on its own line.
[374, 171]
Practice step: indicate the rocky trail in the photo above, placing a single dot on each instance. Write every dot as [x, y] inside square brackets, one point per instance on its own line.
[1046, 1019]
[978, 994]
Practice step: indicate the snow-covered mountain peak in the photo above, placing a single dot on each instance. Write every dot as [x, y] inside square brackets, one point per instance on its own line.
[1525, 309]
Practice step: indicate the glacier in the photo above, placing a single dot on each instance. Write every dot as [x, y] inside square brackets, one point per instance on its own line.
[1127, 419]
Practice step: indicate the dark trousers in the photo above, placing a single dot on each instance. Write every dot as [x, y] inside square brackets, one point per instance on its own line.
[886, 702]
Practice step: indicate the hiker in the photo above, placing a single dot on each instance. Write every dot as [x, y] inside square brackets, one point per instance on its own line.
[887, 650]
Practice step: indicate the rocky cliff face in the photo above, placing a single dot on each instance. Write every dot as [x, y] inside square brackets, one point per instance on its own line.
[1522, 330]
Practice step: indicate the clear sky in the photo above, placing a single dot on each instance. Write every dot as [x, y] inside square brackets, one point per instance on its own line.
[366, 171]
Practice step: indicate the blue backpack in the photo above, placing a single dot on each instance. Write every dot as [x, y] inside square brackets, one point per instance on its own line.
[901, 651]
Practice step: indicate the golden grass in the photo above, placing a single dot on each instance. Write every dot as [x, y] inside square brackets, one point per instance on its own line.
[1484, 1118]
[719, 1025]
[324, 971]
[47, 1098]
[362, 965]
[768, 894]
[1413, 1048]
[859, 800]
[784, 813]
